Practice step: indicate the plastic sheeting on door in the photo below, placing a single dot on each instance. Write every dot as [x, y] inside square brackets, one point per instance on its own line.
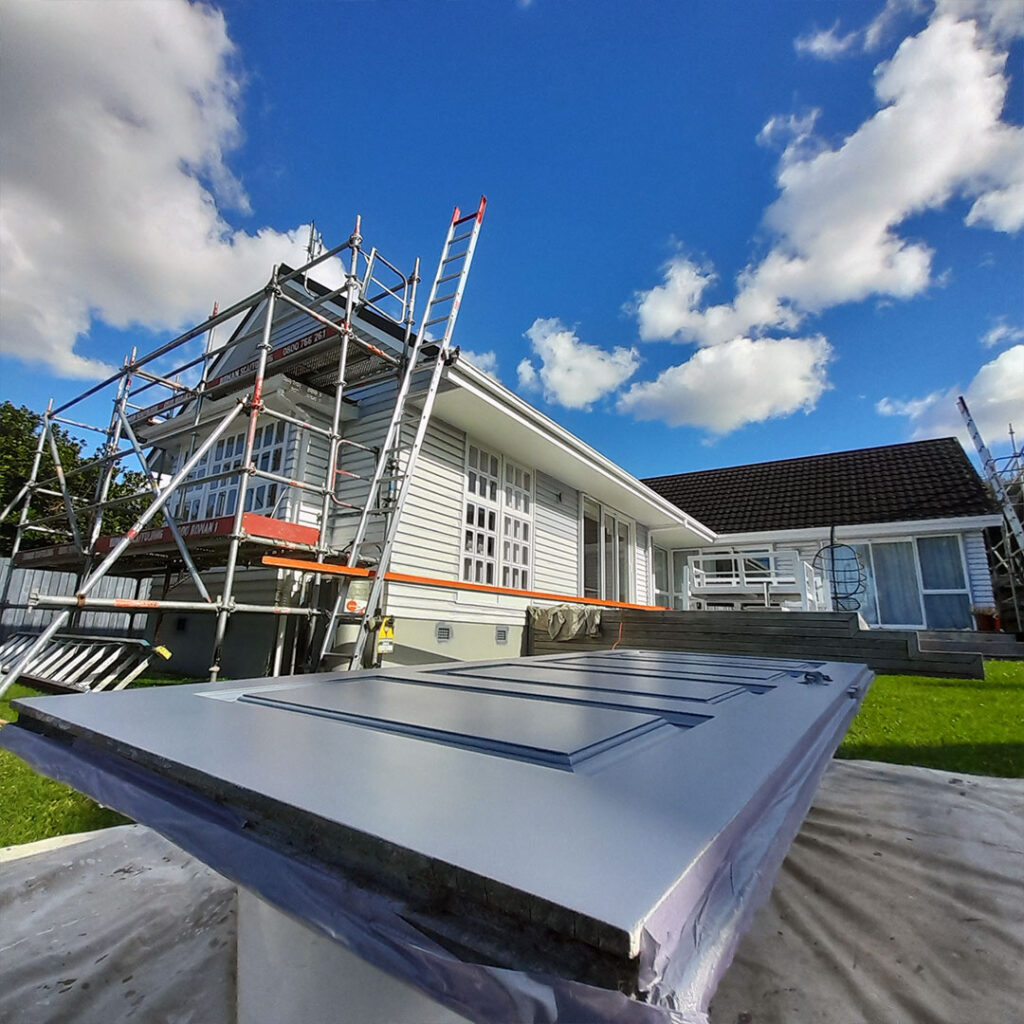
[682, 974]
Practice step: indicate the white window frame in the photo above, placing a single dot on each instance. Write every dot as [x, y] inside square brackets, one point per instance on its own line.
[512, 505]
[921, 590]
[666, 597]
[217, 498]
[618, 519]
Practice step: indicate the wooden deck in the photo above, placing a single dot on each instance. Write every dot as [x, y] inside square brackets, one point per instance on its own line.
[830, 636]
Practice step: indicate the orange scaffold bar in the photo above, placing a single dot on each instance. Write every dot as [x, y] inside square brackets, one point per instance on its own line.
[433, 581]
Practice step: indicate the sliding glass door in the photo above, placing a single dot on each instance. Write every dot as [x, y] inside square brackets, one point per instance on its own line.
[920, 583]
[607, 553]
[899, 597]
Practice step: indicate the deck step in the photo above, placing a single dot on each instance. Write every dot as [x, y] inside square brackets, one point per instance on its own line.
[988, 645]
[829, 636]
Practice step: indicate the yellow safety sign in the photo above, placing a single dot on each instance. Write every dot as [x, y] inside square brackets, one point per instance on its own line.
[386, 636]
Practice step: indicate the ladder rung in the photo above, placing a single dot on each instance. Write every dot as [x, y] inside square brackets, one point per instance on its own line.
[449, 277]
[346, 619]
[461, 238]
[436, 320]
[444, 298]
[454, 256]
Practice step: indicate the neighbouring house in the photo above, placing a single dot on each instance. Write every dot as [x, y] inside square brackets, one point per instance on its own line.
[894, 532]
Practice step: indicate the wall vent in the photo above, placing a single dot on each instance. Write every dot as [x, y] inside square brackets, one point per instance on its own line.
[501, 634]
[443, 632]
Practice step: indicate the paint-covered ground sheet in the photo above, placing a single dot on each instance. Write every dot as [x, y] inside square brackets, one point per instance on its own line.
[900, 900]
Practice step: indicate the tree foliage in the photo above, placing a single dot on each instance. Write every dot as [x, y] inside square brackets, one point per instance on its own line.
[19, 436]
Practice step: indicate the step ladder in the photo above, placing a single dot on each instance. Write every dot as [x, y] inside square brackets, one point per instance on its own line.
[394, 468]
[69, 663]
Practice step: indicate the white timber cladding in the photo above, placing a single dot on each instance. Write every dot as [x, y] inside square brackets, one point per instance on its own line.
[978, 574]
[369, 430]
[428, 538]
[256, 584]
[556, 557]
[642, 562]
[308, 466]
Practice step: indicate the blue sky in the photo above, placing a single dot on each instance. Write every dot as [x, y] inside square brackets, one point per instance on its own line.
[716, 233]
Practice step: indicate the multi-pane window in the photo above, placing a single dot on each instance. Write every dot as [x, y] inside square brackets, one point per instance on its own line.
[497, 533]
[515, 526]
[480, 532]
[219, 497]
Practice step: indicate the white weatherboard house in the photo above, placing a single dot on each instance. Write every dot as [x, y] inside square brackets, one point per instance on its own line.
[907, 519]
[502, 496]
[511, 509]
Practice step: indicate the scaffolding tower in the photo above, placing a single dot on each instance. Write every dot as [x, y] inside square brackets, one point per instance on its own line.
[172, 408]
[1005, 477]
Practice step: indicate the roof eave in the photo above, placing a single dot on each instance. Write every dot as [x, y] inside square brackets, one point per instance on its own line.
[570, 452]
[897, 528]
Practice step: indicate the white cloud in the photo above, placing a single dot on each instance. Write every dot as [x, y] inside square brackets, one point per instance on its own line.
[937, 134]
[1000, 333]
[995, 398]
[741, 381]
[793, 134]
[1001, 21]
[827, 43]
[486, 362]
[571, 372]
[118, 118]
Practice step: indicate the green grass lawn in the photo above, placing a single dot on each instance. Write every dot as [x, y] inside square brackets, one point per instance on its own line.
[960, 725]
[974, 726]
[34, 807]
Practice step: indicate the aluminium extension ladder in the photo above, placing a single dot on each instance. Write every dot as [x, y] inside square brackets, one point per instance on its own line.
[442, 308]
[71, 663]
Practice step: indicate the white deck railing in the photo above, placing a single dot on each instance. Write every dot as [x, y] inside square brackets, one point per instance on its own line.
[743, 571]
[765, 574]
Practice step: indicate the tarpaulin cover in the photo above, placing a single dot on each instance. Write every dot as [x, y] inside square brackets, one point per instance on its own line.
[900, 900]
[565, 621]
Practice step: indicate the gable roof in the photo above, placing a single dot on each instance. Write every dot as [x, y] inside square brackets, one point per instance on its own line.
[918, 480]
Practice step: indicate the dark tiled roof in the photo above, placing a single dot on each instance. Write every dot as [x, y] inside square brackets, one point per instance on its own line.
[919, 480]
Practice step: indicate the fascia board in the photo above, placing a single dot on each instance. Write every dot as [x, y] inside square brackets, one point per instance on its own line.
[864, 531]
